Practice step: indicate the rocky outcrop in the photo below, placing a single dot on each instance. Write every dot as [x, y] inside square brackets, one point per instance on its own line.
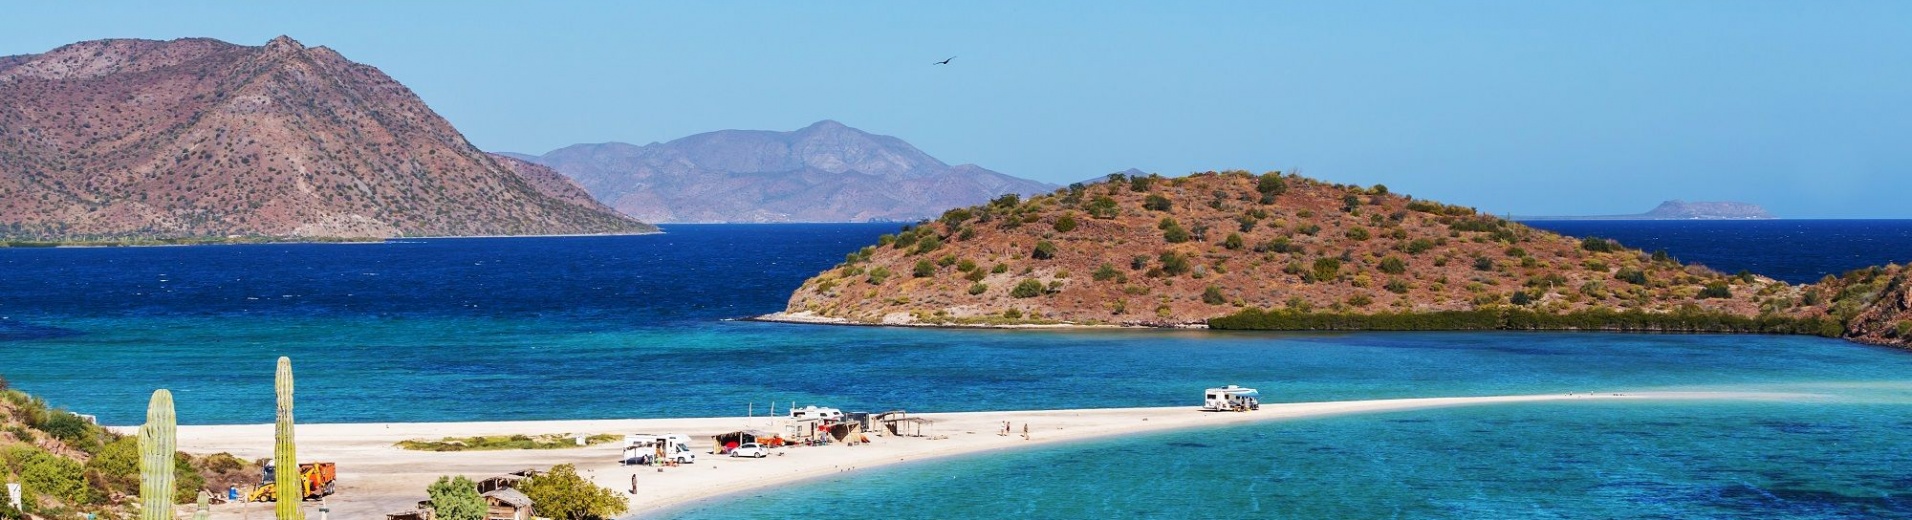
[198, 137]
[826, 172]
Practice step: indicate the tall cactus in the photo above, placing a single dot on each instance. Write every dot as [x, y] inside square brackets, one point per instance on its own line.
[286, 478]
[205, 506]
[157, 445]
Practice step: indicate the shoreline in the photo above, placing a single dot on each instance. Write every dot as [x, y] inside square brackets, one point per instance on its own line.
[376, 478]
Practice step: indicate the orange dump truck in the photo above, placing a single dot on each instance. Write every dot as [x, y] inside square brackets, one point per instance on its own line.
[316, 479]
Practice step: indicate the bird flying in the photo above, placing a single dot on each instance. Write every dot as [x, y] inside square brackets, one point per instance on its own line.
[945, 62]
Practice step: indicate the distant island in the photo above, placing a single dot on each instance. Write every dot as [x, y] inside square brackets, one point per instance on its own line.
[1680, 210]
[825, 172]
[1234, 250]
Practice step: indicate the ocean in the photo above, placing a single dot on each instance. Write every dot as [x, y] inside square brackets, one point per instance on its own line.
[647, 326]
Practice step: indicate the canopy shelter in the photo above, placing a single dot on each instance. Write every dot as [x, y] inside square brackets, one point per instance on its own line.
[725, 441]
[901, 423]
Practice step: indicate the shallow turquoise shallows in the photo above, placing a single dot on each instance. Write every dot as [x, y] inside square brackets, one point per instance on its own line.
[602, 327]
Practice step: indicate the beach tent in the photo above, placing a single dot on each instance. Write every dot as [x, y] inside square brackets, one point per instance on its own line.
[725, 441]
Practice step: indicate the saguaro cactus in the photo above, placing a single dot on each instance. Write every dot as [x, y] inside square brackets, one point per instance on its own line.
[285, 480]
[205, 506]
[157, 445]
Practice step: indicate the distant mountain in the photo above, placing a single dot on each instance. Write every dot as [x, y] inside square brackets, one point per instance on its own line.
[826, 172]
[198, 137]
[1681, 210]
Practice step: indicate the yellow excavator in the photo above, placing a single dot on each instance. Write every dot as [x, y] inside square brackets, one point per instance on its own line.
[316, 479]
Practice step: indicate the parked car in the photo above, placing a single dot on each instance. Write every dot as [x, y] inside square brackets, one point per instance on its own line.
[750, 450]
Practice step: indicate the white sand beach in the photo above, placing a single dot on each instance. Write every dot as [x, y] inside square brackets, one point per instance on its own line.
[377, 478]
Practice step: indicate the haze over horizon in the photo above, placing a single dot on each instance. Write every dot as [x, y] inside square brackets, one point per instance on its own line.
[1528, 109]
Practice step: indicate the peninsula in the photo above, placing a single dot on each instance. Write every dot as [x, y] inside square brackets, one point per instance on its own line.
[1280, 251]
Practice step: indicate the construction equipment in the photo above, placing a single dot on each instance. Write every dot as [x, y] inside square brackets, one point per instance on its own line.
[317, 479]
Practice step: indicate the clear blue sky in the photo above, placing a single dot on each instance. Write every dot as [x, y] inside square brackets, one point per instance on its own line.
[1514, 107]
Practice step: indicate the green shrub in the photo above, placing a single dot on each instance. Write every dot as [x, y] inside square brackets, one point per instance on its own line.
[1174, 264]
[1141, 183]
[1597, 244]
[1360, 300]
[878, 275]
[1716, 289]
[999, 268]
[1396, 286]
[966, 265]
[456, 498]
[923, 269]
[1482, 263]
[1156, 202]
[975, 275]
[1104, 273]
[928, 243]
[1028, 288]
[1233, 242]
[978, 288]
[1393, 265]
[1213, 296]
[1418, 246]
[1138, 262]
[563, 495]
[1045, 250]
[1326, 269]
[1632, 276]
[1065, 224]
[1102, 207]
[1359, 233]
[1270, 184]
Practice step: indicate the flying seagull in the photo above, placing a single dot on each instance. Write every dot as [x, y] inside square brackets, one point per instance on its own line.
[945, 62]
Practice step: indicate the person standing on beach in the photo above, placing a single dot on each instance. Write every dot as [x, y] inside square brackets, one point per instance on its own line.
[1025, 431]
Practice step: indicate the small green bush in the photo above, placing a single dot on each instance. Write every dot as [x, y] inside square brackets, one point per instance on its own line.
[1045, 250]
[1028, 288]
[923, 269]
[1065, 224]
[1156, 202]
[978, 288]
[1213, 296]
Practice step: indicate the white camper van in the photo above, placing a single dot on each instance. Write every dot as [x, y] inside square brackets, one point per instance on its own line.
[816, 412]
[1231, 398]
[644, 448]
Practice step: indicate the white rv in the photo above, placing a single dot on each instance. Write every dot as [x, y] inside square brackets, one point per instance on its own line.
[644, 448]
[1231, 398]
[816, 412]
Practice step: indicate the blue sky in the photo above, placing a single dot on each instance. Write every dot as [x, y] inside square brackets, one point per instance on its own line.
[1513, 107]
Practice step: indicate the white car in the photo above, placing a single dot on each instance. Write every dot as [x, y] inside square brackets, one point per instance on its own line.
[750, 450]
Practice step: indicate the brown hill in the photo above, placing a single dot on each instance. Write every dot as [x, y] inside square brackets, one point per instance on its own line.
[197, 137]
[1277, 251]
[825, 172]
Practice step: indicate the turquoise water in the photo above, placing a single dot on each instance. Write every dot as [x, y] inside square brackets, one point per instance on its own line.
[1588, 459]
[597, 327]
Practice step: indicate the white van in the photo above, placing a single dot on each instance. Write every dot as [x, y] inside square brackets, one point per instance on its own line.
[642, 448]
[816, 412]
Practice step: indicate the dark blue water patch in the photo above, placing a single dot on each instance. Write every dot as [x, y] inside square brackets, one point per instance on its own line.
[1795, 251]
[15, 330]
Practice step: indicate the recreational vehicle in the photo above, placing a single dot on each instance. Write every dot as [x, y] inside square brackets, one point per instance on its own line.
[644, 448]
[1231, 398]
[816, 412]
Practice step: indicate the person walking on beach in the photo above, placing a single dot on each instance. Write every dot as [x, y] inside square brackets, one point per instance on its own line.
[1025, 431]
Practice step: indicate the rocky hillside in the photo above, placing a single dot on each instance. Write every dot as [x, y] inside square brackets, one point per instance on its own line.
[1282, 251]
[826, 172]
[197, 137]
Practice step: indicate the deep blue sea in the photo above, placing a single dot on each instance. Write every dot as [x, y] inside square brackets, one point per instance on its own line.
[642, 326]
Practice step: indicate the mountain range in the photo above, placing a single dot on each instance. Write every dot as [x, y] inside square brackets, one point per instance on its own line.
[201, 138]
[825, 172]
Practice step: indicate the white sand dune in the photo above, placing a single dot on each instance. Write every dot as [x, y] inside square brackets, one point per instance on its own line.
[376, 478]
